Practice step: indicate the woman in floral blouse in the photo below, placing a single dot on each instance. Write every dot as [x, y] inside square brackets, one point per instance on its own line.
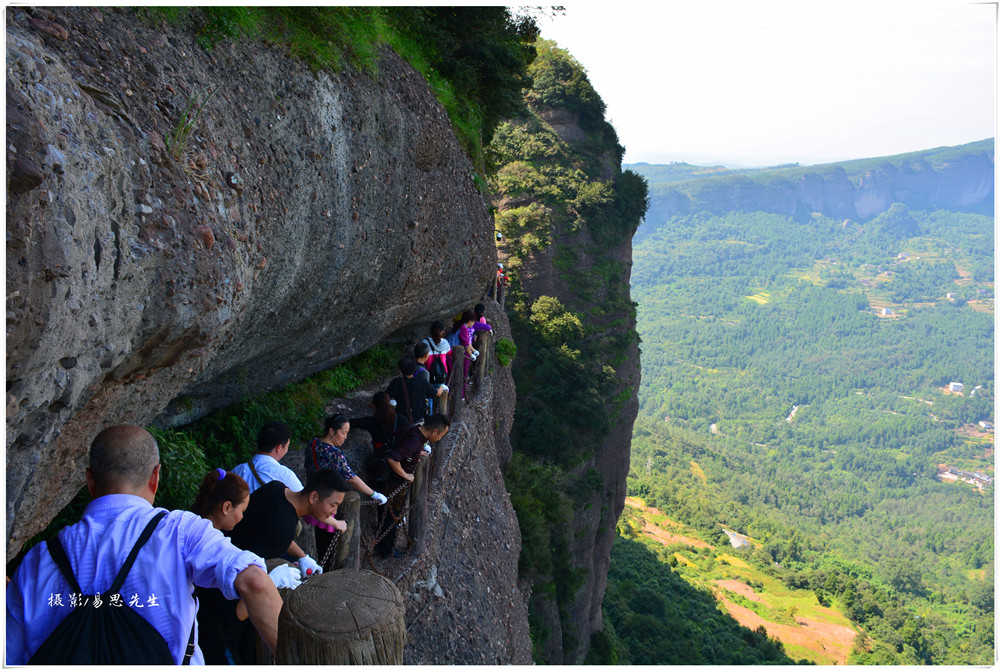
[324, 452]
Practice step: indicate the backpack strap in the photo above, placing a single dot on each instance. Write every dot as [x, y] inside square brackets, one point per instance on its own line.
[58, 555]
[116, 586]
[253, 470]
[189, 652]
[406, 394]
[312, 450]
[146, 533]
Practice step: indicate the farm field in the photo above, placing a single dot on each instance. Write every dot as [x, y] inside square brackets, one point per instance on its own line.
[807, 630]
[807, 409]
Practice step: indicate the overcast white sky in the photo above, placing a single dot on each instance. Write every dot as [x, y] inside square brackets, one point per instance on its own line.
[762, 83]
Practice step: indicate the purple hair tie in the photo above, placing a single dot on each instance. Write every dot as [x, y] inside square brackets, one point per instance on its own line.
[222, 473]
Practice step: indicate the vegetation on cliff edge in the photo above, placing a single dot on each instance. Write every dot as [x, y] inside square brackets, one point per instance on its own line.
[573, 197]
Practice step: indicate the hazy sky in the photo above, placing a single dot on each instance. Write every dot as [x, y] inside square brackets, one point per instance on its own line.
[760, 83]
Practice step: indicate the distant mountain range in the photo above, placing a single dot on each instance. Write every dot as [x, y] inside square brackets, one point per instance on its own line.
[959, 178]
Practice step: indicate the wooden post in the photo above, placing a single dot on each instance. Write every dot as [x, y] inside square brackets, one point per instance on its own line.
[457, 381]
[484, 356]
[349, 546]
[342, 617]
[418, 505]
[442, 403]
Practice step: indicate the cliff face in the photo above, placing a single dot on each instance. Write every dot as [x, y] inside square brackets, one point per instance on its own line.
[858, 190]
[568, 213]
[308, 217]
[593, 521]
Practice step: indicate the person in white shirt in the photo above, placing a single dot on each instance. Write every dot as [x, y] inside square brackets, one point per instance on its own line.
[184, 550]
[273, 442]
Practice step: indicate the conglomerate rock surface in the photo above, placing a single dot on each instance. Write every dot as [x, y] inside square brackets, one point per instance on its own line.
[307, 217]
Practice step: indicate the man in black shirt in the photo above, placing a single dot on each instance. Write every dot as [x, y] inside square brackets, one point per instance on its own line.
[268, 530]
[268, 525]
[402, 461]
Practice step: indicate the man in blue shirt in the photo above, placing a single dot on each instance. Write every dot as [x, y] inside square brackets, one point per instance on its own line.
[184, 550]
[273, 442]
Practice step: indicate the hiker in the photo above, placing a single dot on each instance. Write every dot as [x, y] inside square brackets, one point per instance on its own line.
[384, 423]
[409, 392]
[324, 452]
[402, 462]
[440, 350]
[499, 279]
[462, 335]
[422, 355]
[480, 311]
[183, 550]
[222, 499]
[269, 524]
[273, 442]
[268, 529]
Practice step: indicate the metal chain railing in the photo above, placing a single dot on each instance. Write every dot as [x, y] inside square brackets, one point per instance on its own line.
[470, 383]
[369, 546]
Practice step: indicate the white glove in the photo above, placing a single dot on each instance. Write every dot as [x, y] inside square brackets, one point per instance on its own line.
[308, 566]
[427, 448]
[285, 576]
[379, 498]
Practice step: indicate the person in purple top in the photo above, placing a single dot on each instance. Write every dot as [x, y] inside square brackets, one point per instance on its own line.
[185, 550]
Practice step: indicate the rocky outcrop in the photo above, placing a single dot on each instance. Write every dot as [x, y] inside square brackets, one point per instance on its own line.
[593, 523]
[307, 217]
[585, 263]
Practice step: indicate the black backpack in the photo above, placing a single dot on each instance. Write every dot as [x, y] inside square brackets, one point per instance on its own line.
[438, 373]
[105, 635]
[377, 464]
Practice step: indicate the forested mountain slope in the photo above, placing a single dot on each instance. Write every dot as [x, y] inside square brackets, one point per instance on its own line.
[797, 389]
[567, 212]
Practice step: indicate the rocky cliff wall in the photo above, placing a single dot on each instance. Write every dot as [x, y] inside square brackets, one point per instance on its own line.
[585, 263]
[593, 522]
[309, 216]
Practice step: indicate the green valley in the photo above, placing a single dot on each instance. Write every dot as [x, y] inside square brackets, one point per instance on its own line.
[823, 385]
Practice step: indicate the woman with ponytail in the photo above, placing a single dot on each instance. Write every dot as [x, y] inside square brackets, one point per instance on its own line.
[222, 499]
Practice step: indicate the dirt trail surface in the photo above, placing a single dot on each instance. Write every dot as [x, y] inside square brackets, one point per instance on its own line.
[668, 538]
[831, 641]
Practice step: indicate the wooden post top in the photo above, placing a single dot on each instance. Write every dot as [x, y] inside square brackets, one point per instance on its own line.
[340, 602]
